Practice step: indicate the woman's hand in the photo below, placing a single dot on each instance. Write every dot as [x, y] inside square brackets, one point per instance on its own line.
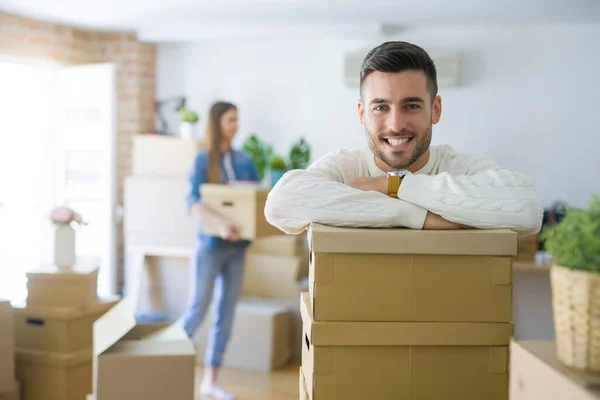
[228, 230]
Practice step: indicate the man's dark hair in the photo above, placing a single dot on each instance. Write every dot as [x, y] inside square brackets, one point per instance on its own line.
[398, 57]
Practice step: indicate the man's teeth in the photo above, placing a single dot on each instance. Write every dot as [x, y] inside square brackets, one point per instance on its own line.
[398, 142]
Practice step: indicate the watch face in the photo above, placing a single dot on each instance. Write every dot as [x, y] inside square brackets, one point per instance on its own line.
[401, 172]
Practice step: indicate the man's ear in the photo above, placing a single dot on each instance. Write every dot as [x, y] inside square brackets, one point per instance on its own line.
[361, 111]
[436, 110]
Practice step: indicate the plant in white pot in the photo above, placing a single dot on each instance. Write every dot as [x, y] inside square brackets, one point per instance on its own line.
[65, 220]
[575, 275]
[188, 120]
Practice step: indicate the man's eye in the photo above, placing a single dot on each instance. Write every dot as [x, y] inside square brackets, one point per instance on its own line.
[381, 108]
[412, 106]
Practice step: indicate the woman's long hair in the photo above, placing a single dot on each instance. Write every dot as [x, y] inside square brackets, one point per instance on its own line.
[214, 139]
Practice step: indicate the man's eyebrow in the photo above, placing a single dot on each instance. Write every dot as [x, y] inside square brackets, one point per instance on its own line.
[413, 99]
[378, 100]
[410, 99]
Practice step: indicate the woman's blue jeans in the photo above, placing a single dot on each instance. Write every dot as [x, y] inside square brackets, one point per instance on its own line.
[219, 270]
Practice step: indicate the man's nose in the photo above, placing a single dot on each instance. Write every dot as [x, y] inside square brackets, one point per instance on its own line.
[395, 121]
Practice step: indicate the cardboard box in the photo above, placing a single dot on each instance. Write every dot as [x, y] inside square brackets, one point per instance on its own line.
[54, 376]
[161, 155]
[147, 361]
[528, 246]
[274, 276]
[15, 394]
[156, 213]
[411, 275]
[58, 329]
[72, 287]
[244, 205]
[536, 374]
[284, 246]
[404, 360]
[303, 390]
[7, 346]
[293, 308]
[260, 338]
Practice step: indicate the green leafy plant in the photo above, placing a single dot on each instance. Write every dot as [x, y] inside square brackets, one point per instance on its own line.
[260, 152]
[575, 240]
[300, 154]
[187, 115]
[277, 162]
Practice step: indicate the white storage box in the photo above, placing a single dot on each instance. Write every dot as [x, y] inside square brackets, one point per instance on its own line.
[161, 155]
[156, 212]
[260, 338]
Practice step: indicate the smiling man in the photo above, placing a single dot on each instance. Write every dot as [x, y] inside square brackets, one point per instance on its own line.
[400, 180]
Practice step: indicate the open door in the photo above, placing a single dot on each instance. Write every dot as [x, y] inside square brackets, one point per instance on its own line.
[86, 162]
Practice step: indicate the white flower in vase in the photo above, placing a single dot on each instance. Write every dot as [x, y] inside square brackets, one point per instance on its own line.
[64, 220]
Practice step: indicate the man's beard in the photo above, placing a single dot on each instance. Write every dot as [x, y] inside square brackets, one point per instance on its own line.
[421, 145]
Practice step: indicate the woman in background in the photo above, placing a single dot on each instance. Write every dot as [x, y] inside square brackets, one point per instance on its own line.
[218, 261]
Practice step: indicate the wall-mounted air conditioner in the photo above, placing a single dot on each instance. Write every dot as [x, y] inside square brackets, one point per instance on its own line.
[446, 64]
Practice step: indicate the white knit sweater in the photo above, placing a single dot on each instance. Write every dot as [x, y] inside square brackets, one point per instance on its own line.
[467, 189]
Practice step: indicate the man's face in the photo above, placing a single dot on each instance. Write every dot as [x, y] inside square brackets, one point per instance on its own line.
[397, 113]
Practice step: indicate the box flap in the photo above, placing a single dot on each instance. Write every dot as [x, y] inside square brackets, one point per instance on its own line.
[112, 326]
[329, 239]
[402, 333]
[144, 347]
[172, 332]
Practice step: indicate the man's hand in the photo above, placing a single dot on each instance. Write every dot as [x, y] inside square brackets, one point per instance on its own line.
[435, 222]
[379, 184]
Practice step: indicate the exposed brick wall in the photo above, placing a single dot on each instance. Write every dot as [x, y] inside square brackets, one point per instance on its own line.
[135, 63]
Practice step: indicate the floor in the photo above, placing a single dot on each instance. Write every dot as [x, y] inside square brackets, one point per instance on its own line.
[281, 384]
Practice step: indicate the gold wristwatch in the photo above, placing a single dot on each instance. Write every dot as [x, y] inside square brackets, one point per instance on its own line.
[394, 180]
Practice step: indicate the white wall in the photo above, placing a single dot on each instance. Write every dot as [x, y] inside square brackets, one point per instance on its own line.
[529, 95]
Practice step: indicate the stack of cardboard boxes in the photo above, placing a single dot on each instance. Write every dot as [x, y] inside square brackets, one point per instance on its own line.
[9, 387]
[155, 212]
[53, 332]
[405, 314]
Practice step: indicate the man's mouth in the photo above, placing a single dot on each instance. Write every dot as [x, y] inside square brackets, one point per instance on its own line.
[398, 143]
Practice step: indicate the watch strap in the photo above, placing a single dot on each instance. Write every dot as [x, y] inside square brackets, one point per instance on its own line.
[393, 185]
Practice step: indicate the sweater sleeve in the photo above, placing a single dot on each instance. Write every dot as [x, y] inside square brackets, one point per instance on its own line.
[321, 194]
[475, 191]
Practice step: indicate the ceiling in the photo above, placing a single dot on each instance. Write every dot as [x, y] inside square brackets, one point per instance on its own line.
[173, 20]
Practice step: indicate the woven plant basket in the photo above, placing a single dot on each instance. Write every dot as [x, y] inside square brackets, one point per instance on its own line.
[576, 307]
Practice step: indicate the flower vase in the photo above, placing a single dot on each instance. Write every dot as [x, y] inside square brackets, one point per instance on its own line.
[64, 246]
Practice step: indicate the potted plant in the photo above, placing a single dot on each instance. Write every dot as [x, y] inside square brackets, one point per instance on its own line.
[260, 152]
[299, 155]
[188, 119]
[65, 220]
[574, 243]
[278, 169]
